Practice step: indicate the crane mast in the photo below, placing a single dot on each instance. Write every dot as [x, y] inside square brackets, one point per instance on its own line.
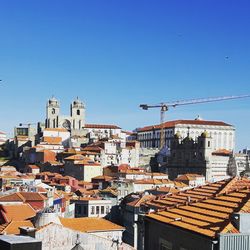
[164, 106]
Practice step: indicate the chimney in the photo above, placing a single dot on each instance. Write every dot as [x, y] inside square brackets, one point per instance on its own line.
[28, 231]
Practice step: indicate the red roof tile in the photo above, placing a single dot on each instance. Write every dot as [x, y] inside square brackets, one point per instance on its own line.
[172, 124]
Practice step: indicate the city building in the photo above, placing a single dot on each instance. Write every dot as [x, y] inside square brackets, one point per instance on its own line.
[73, 123]
[192, 180]
[197, 157]
[82, 168]
[3, 138]
[91, 206]
[13, 242]
[55, 133]
[219, 222]
[223, 134]
[96, 132]
[239, 164]
[112, 152]
[95, 226]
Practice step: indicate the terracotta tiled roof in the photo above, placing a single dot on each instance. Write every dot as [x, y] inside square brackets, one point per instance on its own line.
[102, 177]
[33, 167]
[56, 129]
[188, 177]
[123, 167]
[110, 190]
[157, 174]
[166, 190]
[90, 225]
[132, 171]
[13, 227]
[75, 157]
[206, 216]
[52, 140]
[153, 181]
[139, 201]
[22, 138]
[101, 126]
[81, 183]
[172, 124]
[89, 163]
[17, 212]
[222, 152]
[33, 196]
[93, 148]
[194, 194]
[86, 198]
[12, 197]
[23, 197]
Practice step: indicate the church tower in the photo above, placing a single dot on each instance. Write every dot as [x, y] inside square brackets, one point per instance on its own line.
[52, 113]
[77, 114]
[205, 144]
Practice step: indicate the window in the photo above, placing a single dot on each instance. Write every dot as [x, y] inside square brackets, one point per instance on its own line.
[78, 112]
[79, 209]
[53, 111]
[107, 209]
[22, 131]
[92, 210]
[102, 209]
[97, 209]
[165, 245]
[84, 210]
[208, 143]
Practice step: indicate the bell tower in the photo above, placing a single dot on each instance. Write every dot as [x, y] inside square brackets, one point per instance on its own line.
[77, 114]
[52, 113]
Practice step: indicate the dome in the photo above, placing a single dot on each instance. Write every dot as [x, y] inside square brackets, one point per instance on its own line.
[53, 101]
[78, 102]
[188, 138]
[177, 135]
[198, 118]
[46, 216]
[205, 134]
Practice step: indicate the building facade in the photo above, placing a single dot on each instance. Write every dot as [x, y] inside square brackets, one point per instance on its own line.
[74, 123]
[223, 134]
[3, 138]
[197, 157]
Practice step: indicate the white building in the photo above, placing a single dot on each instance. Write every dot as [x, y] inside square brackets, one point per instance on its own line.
[62, 133]
[97, 132]
[115, 152]
[239, 164]
[223, 134]
[82, 168]
[73, 123]
[3, 138]
[91, 207]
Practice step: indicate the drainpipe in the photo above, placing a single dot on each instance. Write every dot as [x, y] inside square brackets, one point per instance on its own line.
[214, 242]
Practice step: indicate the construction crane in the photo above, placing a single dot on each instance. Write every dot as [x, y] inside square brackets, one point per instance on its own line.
[164, 106]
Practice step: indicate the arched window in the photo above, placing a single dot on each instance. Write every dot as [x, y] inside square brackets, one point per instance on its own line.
[78, 112]
[53, 111]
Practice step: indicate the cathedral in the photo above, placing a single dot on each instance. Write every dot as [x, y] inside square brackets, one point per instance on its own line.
[73, 123]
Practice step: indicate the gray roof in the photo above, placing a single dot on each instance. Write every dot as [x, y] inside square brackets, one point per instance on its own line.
[14, 239]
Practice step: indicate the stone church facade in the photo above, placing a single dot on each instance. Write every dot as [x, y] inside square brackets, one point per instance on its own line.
[74, 123]
[197, 157]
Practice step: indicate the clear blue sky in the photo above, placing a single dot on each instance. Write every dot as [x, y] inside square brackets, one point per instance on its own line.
[115, 55]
